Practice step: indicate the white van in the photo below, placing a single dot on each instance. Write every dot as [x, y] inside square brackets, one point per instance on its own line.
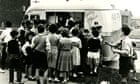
[86, 11]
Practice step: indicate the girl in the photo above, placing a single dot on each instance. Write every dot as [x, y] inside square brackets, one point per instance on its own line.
[65, 63]
[94, 47]
[76, 43]
[53, 54]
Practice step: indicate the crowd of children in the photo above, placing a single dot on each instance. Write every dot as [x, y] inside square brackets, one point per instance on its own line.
[53, 49]
[56, 50]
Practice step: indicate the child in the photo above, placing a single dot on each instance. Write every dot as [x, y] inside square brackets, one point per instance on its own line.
[94, 47]
[53, 55]
[65, 63]
[84, 36]
[21, 37]
[39, 44]
[76, 43]
[125, 53]
[14, 59]
[28, 53]
[134, 57]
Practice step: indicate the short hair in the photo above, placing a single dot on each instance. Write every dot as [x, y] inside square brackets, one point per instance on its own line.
[98, 27]
[95, 33]
[53, 28]
[40, 28]
[93, 28]
[28, 22]
[126, 30]
[13, 33]
[23, 23]
[65, 32]
[75, 32]
[26, 17]
[8, 24]
[96, 23]
[86, 31]
[134, 44]
[22, 32]
[77, 23]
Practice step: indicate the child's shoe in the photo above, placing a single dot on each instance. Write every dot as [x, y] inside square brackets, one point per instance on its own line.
[56, 80]
[74, 75]
[50, 79]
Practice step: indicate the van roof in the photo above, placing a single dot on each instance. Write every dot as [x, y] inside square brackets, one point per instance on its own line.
[71, 5]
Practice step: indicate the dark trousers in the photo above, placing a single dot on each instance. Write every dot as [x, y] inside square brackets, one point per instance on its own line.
[11, 75]
[125, 66]
[83, 66]
[39, 62]
[4, 56]
[51, 72]
[33, 70]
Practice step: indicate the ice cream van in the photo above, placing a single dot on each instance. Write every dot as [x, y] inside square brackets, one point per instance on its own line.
[87, 12]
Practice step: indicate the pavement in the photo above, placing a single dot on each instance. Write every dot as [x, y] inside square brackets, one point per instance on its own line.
[85, 80]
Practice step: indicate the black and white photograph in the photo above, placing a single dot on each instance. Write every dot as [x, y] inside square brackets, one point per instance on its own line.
[69, 42]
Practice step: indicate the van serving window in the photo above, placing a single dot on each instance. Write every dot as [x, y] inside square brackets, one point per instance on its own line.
[66, 19]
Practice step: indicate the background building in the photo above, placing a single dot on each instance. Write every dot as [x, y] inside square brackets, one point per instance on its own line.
[126, 17]
[13, 10]
[135, 22]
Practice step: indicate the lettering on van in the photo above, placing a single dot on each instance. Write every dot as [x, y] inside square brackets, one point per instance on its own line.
[91, 16]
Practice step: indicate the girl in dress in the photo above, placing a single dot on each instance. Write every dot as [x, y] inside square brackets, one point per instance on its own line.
[76, 43]
[53, 54]
[65, 61]
[94, 46]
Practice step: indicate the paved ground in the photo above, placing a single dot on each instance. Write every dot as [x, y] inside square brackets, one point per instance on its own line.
[86, 80]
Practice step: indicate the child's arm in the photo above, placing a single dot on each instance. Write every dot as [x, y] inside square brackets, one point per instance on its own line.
[48, 45]
[80, 44]
[116, 44]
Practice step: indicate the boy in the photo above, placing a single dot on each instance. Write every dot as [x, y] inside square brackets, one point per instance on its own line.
[133, 68]
[14, 59]
[40, 44]
[125, 53]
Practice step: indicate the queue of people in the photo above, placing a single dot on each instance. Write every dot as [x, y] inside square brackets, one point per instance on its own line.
[59, 52]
